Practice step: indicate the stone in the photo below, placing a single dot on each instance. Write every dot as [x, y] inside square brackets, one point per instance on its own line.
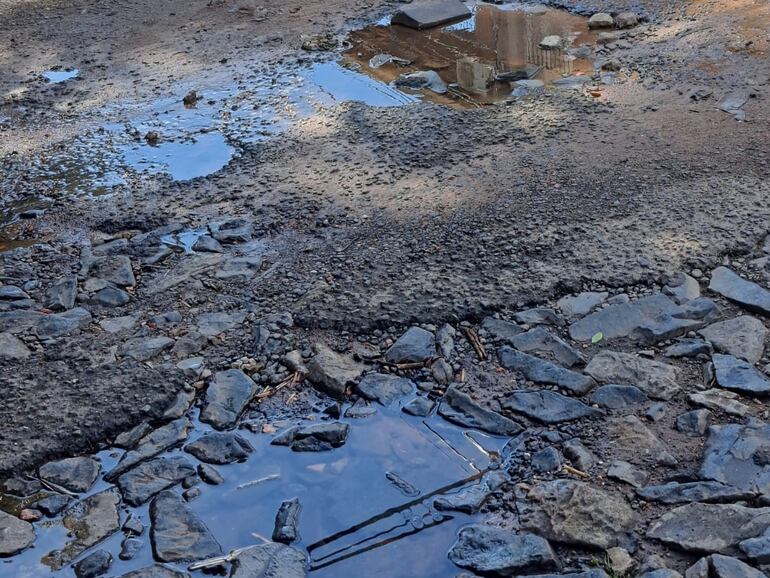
[151, 477]
[331, 372]
[74, 474]
[542, 342]
[285, 530]
[89, 521]
[701, 491]
[693, 423]
[155, 571]
[445, 340]
[746, 293]
[539, 316]
[244, 267]
[581, 304]
[384, 388]
[553, 42]
[110, 297]
[53, 505]
[212, 324]
[183, 399]
[430, 13]
[709, 528]
[442, 372]
[151, 445]
[133, 526]
[620, 561]
[414, 346]
[742, 337]
[496, 552]
[226, 397]
[210, 475]
[319, 437]
[579, 455]
[688, 348]
[128, 439]
[271, 560]
[629, 433]
[720, 400]
[458, 408]
[682, 288]
[419, 406]
[176, 533]
[739, 456]
[526, 87]
[601, 20]
[61, 295]
[470, 499]
[597, 518]
[422, 79]
[658, 380]
[625, 472]
[700, 569]
[129, 548]
[144, 349]
[19, 321]
[645, 321]
[501, 330]
[189, 344]
[220, 448]
[232, 231]
[757, 549]
[207, 244]
[15, 535]
[739, 375]
[61, 324]
[626, 20]
[548, 459]
[729, 567]
[614, 396]
[541, 371]
[12, 293]
[547, 406]
[12, 348]
[115, 269]
[93, 565]
[118, 324]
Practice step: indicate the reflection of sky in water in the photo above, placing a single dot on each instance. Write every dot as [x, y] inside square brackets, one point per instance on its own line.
[345, 85]
[57, 76]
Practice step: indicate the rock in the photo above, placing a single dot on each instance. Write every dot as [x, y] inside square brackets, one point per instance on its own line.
[212, 324]
[360, 409]
[700, 569]
[15, 535]
[526, 87]
[458, 408]
[547, 406]
[383, 388]
[614, 396]
[601, 20]
[626, 20]
[93, 565]
[684, 493]
[133, 526]
[285, 530]
[149, 478]
[111, 297]
[129, 548]
[184, 398]
[12, 293]
[12, 348]
[728, 567]
[427, 14]
[693, 423]
[682, 288]
[739, 456]
[118, 324]
[414, 346]
[688, 348]
[539, 316]
[269, 560]
[331, 372]
[661, 573]
[739, 375]
[581, 304]
[720, 400]
[226, 398]
[206, 244]
[89, 521]
[501, 330]
[620, 561]
[73, 474]
[442, 372]
[709, 528]
[541, 371]
[320, 437]
[598, 519]
[544, 343]
[625, 472]
[144, 349]
[61, 295]
[19, 321]
[232, 231]
[422, 79]
[128, 440]
[470, 499]
[548, 459]
[745, 293]
[630, 434]
[645, 321]
[156, 571]
[210, 475]
[579, 455]
[115, 269]
[445, 340]
[245, 267]
[757, 549]
[319, 42]
[419, 406]
[189, 344]
[732, 103]
[220, 448]
[497, 552]
[553, 42]
[742, 337]
[177, 534]
[61, 324]
[657, 380]
[150, 445]
[53, 505]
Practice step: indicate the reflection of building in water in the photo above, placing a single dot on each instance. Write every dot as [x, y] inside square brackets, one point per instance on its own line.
[474, 75]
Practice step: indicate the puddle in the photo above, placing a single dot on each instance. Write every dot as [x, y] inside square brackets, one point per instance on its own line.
[479, 57]
[367, 504]
[184, 240]
[57, 76]
[345, 85]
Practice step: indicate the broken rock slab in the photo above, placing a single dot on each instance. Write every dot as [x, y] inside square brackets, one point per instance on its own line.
[582, 303]
[144, 349]
[331, 372]
[74, 474]
[12, 348]
[541, 371]
[742, 337]
[61, 295]
[319, 437]
[460, 409]
[226, 397]
[501, 330]
[548, 406]
[631, 435]
[746, 293]
[176, 533]
[427, 14]
[543, 343]
[271, 560]
[212, 324]
[658, 380]
[720, 400]
[701, 491]
[150, 445]
[151, 477]
[469, 500]
[613, 396]
[220, 448]
[15, 535]
[739, 456]
[61, 324]
[739, 375]
[414, 346]
[285, 530]
[384, 388]
[115, 269]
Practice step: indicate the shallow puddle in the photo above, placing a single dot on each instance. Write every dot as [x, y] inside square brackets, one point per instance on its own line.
[57, 76]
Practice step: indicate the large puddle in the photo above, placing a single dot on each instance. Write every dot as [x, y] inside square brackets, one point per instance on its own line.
[366, 505]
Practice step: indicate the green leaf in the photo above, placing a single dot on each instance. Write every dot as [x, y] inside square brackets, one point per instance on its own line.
[597, 337]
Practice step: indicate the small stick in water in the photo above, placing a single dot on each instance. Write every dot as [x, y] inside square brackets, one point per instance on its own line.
[258, 481]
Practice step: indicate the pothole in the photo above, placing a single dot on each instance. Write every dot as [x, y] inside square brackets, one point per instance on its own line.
[59, 75]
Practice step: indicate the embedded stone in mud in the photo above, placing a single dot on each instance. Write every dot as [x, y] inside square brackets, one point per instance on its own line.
[15, 535]
[177, 534]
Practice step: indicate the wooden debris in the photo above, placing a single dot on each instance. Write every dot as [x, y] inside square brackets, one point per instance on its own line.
[257, 481]
[475, 342]
[574, 471]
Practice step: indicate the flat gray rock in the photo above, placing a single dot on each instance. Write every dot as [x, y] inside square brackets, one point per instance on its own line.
[15, 535]
[628, 473]
[720, 400]
[383, 388]
[470, 499]
[212, 324]
[739, 456]
[746, 293]
[496, 552]
[271, 560]
[548, 406]
[73, 474]
[12, 348]
[144, 349]
[420, 406]
[414, 346]
[541, 371]
[331, 372]
[658, 380]
[631, 436]
[685, 493]
[501, 330]
[226, 397]
[693, 423]
[729, 567]
[12, 293]
[739, 375]
[94, 565]
[645, 321]
[115, 269]
[430, 13]
[176, 533]
[155, 571]
[757, 549]
[61, 324]
[285, 529]
[582, 303]
[458, 408]
[688, 348]
[118, 324]
[19, 321]
[220, 448]
[539, 316]
[148, 478]
[742, 337]
[61, 295]
[150, 445]
[543, 343]
[682, 288]
[613, 396]
[319, 437]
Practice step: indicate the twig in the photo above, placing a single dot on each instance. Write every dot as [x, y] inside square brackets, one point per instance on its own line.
[54, 488]
[258, 481]
[293, 379]
[218, 560]
[475, 342]
[574, 471]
